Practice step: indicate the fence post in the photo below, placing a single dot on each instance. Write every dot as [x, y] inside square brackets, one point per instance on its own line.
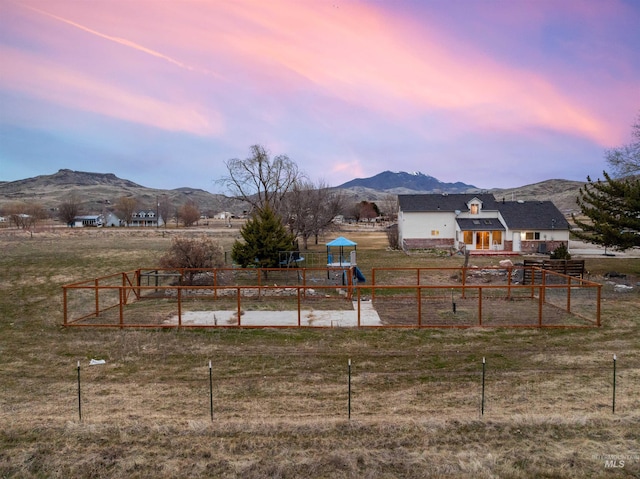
[540, 303]
[483, 375]
[210, 391]
[479, 305]
[349, 403]
[64, 304]
[613, 405]
[179, 305]
[239, 306]
[373, 285]
[299, 308]
[359, 308]
[79, 395]
[121, 295]
[599, 289]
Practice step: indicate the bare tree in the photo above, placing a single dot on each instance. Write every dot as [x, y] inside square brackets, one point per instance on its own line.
[25, 215]
[189, 213]
[260, 180]
[164, 209]
[193, 253]
[311, 208]
[69, 209]
[126, 207]
[389, 207]
[625, 160]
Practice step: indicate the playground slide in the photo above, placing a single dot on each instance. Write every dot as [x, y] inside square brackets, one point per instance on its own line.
[359, 275]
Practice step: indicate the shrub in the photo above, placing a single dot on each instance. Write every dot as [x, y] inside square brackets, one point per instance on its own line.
[193, 253]
[561, 252]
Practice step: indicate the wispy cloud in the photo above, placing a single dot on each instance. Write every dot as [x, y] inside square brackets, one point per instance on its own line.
[55, 83]
[124, 42]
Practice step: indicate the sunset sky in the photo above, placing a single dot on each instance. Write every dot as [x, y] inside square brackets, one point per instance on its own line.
[493, 93]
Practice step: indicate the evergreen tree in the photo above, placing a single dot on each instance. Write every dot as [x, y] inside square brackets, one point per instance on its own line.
[613, 211]
[265, 236]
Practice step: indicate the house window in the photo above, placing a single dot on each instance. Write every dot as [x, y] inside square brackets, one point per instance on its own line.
[474, 209]
[435, 233]
[497, 237]
[468, 237]
[532, 235]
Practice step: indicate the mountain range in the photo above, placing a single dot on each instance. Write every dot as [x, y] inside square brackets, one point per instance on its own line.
[419, 182]
[96, 190]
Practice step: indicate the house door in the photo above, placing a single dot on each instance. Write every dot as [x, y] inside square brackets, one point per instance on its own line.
[482, 240]
[516, 242]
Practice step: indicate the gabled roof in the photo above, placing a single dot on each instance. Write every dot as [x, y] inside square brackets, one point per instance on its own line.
[532, 215]
[444, 202]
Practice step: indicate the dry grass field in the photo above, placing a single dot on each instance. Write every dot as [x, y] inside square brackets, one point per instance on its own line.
[280, 397]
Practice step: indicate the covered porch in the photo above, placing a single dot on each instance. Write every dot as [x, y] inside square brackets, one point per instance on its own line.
[481, 234]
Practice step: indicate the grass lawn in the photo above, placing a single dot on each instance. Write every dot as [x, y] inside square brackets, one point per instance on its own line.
[280, 397]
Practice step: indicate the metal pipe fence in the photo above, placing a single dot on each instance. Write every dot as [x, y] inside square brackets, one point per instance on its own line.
[331, 297]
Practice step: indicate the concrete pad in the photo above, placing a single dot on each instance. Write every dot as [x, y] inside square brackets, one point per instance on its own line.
[308, 318]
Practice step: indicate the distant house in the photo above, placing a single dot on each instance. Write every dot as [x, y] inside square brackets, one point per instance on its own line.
[112, 220]
[224, 215]
[87, 220]
[146, 218]
[480, 222]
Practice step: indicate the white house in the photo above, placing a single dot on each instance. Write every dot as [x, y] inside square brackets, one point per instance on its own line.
[480, 222]
[87, 220]
[146, 218]
[223, 215]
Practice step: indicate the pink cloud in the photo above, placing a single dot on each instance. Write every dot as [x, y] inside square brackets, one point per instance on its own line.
[58, 84]
[361, 54]
[366, 55]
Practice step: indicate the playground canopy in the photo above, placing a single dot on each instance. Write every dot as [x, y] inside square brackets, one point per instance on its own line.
[340, 242]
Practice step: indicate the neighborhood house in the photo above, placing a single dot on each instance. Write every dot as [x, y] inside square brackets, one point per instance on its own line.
[146, 218]
[87, 220]
[479, 222]
[139, 218]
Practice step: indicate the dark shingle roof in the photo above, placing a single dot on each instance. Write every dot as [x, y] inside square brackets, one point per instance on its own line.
[534, 215]
[480, 224]
[444, 202]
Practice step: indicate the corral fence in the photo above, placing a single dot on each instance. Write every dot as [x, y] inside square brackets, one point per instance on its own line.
[332, 297]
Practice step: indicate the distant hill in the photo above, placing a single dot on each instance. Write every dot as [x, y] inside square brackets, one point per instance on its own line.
[563, 193]
[403, 182]
[100, 191]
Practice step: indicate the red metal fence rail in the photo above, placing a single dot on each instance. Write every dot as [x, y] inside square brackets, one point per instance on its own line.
[398, 297]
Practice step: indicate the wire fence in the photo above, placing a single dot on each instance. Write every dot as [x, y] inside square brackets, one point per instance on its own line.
[360, 389]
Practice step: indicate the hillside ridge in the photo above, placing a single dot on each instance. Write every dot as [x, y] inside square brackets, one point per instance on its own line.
[96, 190]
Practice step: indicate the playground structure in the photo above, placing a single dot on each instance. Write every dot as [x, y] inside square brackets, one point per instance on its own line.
[340, 256]
[400, 297]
